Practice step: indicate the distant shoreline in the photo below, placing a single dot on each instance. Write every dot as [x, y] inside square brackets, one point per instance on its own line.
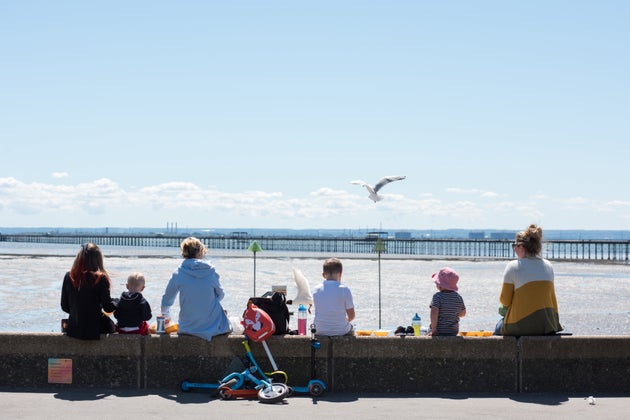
[372, 247]
[454, 233]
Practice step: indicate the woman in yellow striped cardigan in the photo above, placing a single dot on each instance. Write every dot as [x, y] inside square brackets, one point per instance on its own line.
[528, 297]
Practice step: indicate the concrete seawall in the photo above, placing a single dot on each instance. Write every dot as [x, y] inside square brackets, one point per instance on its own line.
[345, 364]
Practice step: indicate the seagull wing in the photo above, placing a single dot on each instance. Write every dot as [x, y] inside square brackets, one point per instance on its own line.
[304, 295]
[386, 181]
[366, 185]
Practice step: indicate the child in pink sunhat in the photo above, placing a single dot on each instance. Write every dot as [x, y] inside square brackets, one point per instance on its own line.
[447, 306]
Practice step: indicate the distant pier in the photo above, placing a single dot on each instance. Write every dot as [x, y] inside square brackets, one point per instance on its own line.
[558, 250]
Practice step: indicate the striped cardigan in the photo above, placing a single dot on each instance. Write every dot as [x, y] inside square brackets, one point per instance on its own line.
[528, 291]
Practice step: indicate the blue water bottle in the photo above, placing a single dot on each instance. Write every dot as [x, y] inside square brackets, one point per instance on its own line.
[416, 323]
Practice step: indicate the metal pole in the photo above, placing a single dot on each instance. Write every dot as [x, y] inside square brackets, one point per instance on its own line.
[379, 290]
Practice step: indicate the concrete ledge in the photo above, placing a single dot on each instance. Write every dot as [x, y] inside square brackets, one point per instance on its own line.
[171, 358]
[346, 364]
[424, 364]
[115, 362]
[575, 364]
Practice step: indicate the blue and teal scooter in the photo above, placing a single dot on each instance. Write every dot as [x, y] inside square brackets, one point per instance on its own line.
[314, 387]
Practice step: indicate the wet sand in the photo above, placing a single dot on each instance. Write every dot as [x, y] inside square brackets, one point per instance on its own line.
[593, 298]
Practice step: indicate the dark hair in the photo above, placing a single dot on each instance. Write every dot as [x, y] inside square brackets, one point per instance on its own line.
[531, 239]
[332, 266]
[88, 266]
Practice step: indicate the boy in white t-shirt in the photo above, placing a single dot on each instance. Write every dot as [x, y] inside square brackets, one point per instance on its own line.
[334, 308]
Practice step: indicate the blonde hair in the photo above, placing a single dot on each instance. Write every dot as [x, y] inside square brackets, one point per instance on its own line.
[192, 247]
[531, 239]
[135, 282]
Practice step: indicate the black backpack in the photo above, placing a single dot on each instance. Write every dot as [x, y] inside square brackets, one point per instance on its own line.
[275, 304]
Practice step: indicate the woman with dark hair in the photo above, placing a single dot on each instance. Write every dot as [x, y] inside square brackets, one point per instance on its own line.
[528, 297]
[86, 293]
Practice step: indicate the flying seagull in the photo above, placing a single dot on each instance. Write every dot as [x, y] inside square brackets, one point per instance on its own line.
[374, 189]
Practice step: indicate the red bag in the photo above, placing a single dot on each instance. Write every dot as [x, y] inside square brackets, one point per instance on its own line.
[257, 323]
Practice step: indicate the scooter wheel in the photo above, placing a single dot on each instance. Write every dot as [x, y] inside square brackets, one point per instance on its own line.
[273, 393]
[316, 390]
[183, 385]
[224, 394]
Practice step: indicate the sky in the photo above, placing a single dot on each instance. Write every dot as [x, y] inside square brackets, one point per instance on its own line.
[259, 114]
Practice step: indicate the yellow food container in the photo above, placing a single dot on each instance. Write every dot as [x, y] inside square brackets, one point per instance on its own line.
[169, 329]
[476, 333]
[381, 333]
[364, 332]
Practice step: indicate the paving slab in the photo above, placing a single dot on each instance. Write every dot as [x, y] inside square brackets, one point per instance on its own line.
[115, 404]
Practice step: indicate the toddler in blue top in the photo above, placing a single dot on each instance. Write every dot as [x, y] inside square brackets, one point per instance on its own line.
[133, 311]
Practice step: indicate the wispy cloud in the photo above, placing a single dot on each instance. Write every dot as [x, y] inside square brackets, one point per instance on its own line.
[618, 204]
[60, 175]
[33, 198]
[103, 201]
[489, 194]
[463, 190]
[576, 201]
[475, 191]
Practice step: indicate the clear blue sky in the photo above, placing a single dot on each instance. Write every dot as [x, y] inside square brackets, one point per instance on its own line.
[258, 114]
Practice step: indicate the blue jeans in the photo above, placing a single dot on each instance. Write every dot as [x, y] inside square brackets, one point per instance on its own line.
[497, 329]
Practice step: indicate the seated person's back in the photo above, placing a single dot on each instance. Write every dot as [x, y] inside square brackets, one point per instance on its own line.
[334, 307]
[133, 310]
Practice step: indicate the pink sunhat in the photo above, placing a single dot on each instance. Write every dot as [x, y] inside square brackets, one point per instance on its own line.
[446, 278]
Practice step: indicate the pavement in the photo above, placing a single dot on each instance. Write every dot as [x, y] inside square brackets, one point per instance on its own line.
[97, 404]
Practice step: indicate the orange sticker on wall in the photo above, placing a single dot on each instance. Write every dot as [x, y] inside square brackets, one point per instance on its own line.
[59, 371]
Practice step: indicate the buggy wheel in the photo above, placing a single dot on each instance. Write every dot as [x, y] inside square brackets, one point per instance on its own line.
[316, 389]
[273, 393]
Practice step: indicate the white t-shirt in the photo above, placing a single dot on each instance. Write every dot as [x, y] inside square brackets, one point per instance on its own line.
[331, 300]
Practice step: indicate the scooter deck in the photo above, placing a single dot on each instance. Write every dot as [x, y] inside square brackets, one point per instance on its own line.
[228, 393]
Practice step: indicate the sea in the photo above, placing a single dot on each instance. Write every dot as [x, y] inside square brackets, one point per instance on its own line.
[593, 298]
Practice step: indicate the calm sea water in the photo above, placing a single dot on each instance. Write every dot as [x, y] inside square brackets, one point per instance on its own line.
[594, 299]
